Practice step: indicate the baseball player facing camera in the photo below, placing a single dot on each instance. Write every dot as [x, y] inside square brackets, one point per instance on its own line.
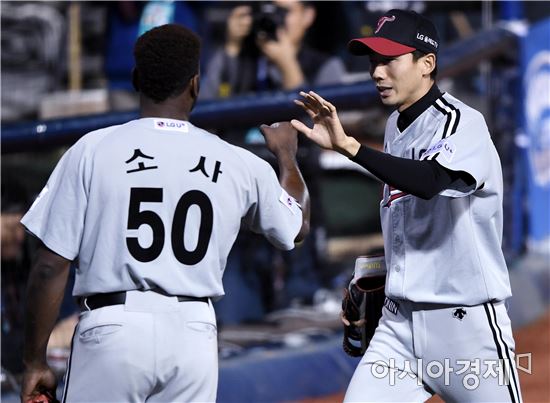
[444, 327]
[148, 211]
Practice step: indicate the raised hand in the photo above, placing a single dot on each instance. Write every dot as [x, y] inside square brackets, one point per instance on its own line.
[280, 137]
[327, 131]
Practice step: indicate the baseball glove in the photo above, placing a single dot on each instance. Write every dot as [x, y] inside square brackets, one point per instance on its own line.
[362, 304]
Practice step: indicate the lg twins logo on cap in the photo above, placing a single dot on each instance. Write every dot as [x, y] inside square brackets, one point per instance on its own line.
[382, 21]
[175, 125]
[426, 39]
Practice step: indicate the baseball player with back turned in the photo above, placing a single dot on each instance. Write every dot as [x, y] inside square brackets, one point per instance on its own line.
[148, 211]
[444, 327]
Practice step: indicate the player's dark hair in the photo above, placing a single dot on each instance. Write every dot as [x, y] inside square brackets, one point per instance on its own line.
[417, 54]
[167, 57]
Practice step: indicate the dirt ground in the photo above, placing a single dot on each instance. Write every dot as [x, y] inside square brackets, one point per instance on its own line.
[533, 338]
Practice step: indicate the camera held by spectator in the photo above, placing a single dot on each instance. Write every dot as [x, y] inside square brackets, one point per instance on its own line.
[267, 20]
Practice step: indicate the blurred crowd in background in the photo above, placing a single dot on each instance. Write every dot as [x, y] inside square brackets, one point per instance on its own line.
[48, 47]
[64, 59]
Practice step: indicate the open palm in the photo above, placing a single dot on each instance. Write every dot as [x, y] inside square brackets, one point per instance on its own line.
[327, 131]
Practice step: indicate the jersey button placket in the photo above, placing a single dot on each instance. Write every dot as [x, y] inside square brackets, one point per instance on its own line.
[397, 245]
[395, 219]
[395, 281]
[398, 251]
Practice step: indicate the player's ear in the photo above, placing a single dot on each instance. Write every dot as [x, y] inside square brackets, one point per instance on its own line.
[194, 85]
[135, 79]
[428, 63]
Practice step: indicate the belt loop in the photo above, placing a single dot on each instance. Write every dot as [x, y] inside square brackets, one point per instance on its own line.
[85, 302]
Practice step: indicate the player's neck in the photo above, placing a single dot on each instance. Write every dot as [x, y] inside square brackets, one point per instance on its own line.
[410, 114]
[422, 90]
[172, 108]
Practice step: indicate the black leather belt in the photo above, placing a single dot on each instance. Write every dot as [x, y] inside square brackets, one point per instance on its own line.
[118, 298]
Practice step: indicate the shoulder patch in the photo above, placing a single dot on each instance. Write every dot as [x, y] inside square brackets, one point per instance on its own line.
[289, 201]
[446, 147]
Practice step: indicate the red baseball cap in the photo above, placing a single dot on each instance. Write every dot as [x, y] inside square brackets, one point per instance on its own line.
[398, 32]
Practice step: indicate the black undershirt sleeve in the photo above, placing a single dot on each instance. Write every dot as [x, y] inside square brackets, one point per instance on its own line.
[423, 179]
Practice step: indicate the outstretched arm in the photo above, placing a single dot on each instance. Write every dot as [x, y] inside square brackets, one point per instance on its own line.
[47, 281]
[282, 140]
[424, 179]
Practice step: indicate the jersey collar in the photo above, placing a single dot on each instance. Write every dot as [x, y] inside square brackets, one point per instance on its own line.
[415, 110]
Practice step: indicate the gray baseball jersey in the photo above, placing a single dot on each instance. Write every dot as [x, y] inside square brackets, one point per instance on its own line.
[426, 260]
[446, 273]
[157, 204]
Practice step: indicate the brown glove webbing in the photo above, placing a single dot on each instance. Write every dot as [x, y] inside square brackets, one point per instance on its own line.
[358, 304]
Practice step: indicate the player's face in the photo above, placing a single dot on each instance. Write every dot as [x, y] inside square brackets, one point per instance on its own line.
[399, 80]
